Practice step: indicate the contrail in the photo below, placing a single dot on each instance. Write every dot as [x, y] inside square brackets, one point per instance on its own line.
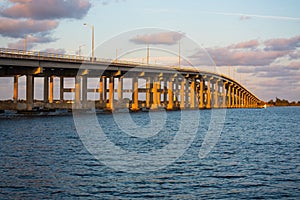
[257, 16]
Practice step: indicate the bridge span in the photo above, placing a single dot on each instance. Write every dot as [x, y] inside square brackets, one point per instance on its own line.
[152, 86]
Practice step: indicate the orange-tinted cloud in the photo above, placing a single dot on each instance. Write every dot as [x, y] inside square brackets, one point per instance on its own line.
[47, 9]
[283, 44]
[31, 41]
[18, 28]
[252, 53]
[166, 38]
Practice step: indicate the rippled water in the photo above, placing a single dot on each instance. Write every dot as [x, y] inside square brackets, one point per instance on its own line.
[257, 156]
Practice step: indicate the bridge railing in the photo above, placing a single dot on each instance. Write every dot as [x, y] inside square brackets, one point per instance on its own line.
[45, 55]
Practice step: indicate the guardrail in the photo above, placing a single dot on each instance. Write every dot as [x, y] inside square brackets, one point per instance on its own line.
[47, 55]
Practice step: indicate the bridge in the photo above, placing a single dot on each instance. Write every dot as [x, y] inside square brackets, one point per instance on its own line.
[151, 86]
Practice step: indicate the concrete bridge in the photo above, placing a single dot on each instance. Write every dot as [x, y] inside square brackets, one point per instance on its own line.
[161, 87]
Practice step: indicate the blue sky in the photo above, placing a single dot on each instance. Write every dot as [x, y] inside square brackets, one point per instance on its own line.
[258, 39]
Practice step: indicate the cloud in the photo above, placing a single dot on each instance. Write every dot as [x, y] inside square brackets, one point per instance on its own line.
[31, 42]
[166, 38]
[19, 28]
[247, 44]
[19, 18]
[283, 44]
[244, 17]
[252, 52]
[47, 9]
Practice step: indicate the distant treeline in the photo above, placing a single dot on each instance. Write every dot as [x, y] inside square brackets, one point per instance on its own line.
[282, 102]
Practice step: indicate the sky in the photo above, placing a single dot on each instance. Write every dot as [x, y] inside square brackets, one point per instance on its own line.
[256, 42]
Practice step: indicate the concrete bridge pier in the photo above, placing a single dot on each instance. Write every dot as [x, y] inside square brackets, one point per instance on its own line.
[201, 94]
[208, 92]
[29, 92]
[16, 88]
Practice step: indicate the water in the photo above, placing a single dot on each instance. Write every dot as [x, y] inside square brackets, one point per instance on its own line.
[257, 156]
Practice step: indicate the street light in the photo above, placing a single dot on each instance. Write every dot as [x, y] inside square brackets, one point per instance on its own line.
[93, 39]
[79, 49]
[117, 51]
[25, 41]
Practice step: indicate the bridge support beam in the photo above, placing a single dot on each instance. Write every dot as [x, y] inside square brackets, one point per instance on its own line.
[51, 89]
[84, 91]
[46, 89]
[77, 91]
[29, 92]
[135, 95]
[201, 99]
[148, 93]
[192, 94]
[229, 96]
[159, 91]
[216, 94]
[224, 95]
[154, 93]
[120, 89]
[182, 93]
[111, 92]
[232, 97]
[170, 95]
[101, 91]
[208, 97]
[236, 98]
[105, 90]
[61, 89]
[16, 88]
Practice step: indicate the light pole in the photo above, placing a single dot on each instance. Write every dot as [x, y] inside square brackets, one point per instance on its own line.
[117, 53]
[25, 42]
[79, 49]
[179, 56]
[93, 39]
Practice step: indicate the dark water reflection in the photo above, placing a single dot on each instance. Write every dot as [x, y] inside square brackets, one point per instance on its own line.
[257, 156]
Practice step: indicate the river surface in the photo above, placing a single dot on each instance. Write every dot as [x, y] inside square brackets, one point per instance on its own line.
[256, 156]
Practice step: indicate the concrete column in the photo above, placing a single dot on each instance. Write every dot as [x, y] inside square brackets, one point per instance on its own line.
[192, 94]
[101, 90]
[240, 104]
[84, 90]
[51, 90]
[46, 89]
[148, 92]
[61, 89]
[120, 88]
[111, 94]
[229, 96]
[165, 92]
[105, 89]
[201, 99]
[236, 97]
[170, 95]
[77, 91]
[208, 93]
[158, 89]
[29, 91]
[154, 94]
[242, 99]
[224, 95]
[182, 93]
[232, 97]
[216, 94]
[16, 88]
[135, 96]
[176, 92]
